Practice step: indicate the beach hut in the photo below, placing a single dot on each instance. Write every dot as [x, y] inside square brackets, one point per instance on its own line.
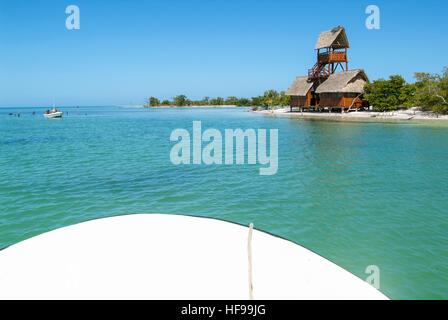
[343, 90]
[302, 93]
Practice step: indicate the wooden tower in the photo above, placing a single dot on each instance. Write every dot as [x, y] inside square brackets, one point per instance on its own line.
[331, 53]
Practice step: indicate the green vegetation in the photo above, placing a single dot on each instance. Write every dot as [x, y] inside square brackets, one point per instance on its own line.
[429, 92]
[389, 94]
[217, 101]
[181, 101]
[270, 99]
[432, 91]
[151, 102]
[232, 101]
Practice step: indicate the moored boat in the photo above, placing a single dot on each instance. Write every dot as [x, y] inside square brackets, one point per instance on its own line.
[57, 114]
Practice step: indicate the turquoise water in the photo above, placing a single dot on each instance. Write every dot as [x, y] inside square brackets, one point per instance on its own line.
[359, 194]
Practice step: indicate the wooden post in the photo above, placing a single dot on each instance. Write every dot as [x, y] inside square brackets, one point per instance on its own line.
[346, 60]
[318, 68]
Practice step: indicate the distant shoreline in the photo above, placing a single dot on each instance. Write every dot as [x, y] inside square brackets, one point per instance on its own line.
[365, 116]
[208, 106]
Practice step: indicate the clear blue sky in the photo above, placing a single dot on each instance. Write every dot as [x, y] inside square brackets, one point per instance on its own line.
[128, 50]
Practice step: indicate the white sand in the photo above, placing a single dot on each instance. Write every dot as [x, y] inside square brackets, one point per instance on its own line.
[361, 115]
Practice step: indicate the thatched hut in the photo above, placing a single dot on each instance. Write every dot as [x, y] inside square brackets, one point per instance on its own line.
[301, 93]
[343, 90]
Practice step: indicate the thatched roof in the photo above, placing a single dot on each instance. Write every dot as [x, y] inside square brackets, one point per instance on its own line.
[299, 87]
[347, 81]
[335, 37]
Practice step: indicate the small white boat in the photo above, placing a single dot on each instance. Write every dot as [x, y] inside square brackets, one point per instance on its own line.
[53, 114]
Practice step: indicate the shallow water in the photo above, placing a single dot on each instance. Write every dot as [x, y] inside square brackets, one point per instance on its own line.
[359, 194]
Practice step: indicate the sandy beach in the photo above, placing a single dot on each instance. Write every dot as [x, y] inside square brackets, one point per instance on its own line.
[402, 115]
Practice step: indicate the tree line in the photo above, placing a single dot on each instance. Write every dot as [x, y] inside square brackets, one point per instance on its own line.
[270, 98]
[429, 92]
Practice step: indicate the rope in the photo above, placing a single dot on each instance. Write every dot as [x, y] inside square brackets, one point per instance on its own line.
[249, 250]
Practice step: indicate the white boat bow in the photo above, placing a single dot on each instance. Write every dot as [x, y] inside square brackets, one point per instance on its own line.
[156, 256]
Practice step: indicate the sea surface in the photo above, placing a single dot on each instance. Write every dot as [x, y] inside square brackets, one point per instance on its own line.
[359, 194]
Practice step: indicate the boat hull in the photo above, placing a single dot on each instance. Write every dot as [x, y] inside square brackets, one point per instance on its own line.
[53, 115]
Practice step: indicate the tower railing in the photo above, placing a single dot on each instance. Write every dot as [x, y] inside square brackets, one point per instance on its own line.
[334, 56]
